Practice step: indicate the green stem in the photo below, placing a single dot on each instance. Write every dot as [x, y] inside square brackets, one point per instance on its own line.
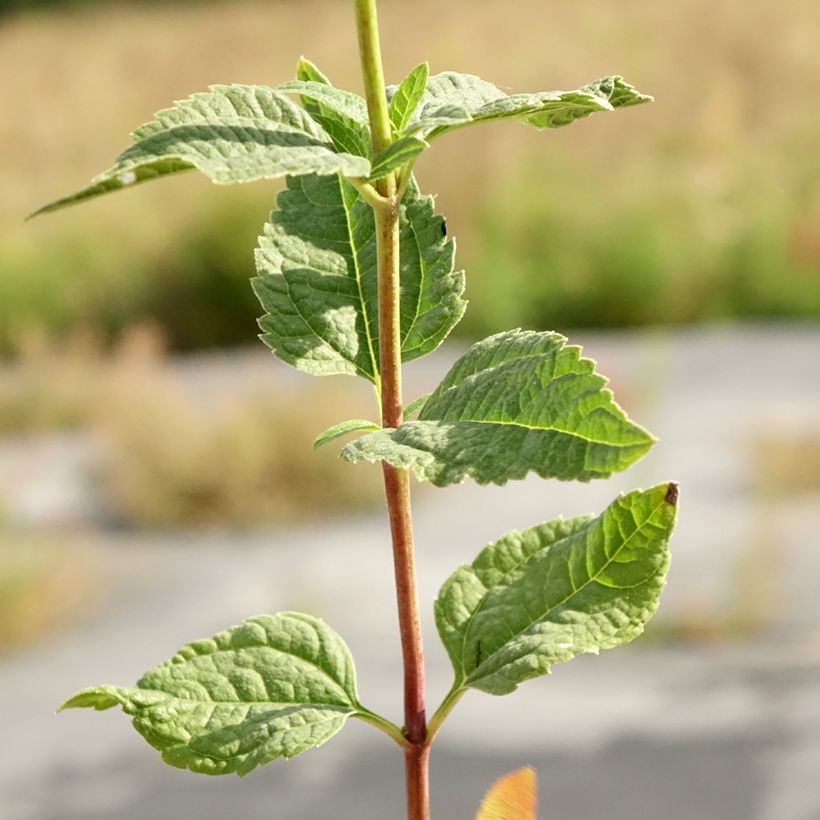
[384, 725]
[396, 482]
[447, 706]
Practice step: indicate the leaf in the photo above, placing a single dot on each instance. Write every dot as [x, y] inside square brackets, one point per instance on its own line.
[342, 429]
[272, 687]
[318, 278]
[416, 405]
[513, 797]
[310, 72]
[231, 133]
[342, 114]
[407, 96]
[454, 100]
[395, 155]
[542, 596]
[515, 402]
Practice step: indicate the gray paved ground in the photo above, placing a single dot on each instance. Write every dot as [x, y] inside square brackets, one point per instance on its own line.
[727, 731]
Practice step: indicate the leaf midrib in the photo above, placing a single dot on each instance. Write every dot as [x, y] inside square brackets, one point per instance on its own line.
[273, 704]
[558, 604]
[358, 275]
[572, 433]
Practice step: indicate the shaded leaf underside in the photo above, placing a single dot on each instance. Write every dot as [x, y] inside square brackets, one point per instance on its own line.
[318, 282]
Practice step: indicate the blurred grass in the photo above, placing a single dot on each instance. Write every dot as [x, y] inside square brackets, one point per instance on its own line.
[215, 448]
[44, 583]
[703, 206]
[172, 463]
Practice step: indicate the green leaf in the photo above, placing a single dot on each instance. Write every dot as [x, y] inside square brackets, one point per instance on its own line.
[318, 278]
[273, 687]
[231, 133]
[453, 100]
[515, 402]
[342, 114]
[310, 72]
[416, 405]
[406, 97]
[342, 429]
[544, 595]
[395, 155]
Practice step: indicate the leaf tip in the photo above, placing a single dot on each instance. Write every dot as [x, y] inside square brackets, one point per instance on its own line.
[672, 491]
[98, 697]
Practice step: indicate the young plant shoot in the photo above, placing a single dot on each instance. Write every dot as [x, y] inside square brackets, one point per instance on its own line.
[356, 276]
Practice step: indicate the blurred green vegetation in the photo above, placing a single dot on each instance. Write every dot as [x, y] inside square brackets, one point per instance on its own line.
[704, 206]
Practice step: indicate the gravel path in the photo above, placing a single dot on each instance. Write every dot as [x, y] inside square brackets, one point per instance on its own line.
[722, 731]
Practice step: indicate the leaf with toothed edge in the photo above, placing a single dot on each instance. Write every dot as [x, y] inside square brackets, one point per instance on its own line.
[318, 280]
[544, 595]
[516, 402]
[231, 133]
[272, 687]
[453, 100]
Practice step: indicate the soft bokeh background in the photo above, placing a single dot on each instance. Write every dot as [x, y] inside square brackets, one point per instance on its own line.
[156, 481]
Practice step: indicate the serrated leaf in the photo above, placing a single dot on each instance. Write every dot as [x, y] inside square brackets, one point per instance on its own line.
[453, 100]
[342, 114]
[516, 402]
[513, 797]
[272, 687]
[231, 133]
[407, 95]
[395, 155]
[342, 429]
[542, 596]
[318, 278]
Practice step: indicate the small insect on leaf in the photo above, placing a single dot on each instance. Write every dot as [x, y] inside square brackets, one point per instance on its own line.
[513, 797]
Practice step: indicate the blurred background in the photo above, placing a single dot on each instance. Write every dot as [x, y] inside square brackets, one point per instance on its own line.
[156, 478]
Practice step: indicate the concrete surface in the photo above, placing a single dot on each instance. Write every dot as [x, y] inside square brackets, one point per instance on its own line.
[716, 731]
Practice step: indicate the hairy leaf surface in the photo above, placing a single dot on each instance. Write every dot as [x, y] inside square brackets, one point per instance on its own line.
[272, 687]
[454, 100]
[318, 278]
[231, 133]
[515, 402]
[544, 595]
